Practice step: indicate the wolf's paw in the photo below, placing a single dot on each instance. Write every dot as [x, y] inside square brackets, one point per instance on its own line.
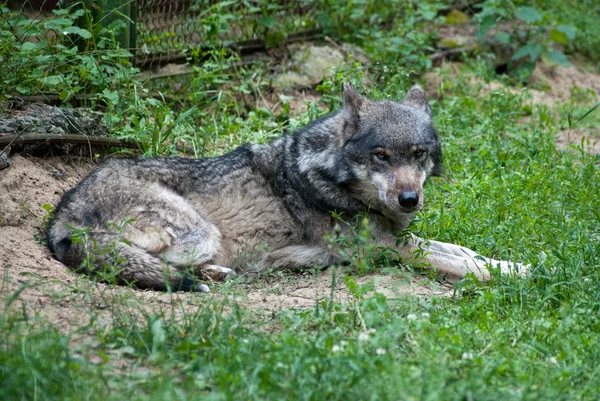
[510, 268]
[217, 273]
[201, 288]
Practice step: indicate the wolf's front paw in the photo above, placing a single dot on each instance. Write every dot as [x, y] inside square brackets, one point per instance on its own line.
[510, 268]
[217, 273]
[201, 288]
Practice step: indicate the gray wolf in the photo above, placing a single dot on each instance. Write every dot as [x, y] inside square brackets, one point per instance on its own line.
[266, 206]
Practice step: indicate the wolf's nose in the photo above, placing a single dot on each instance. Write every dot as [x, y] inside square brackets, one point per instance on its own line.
[408, 199]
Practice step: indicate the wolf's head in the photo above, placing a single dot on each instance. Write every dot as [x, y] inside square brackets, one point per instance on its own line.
[391, 149]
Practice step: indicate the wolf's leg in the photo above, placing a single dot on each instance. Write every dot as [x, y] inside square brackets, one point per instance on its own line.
[191, 248]
[455, 261]
[174, 234]
[215, 272]
[188, 251]
[132, 264]
[293, 257]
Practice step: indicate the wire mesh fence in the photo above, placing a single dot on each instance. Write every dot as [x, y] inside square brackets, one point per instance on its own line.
[25, 18]
[167, 30]
[161, 31]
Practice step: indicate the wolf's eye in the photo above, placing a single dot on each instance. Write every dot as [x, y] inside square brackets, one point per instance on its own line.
[419, 153]
[381, 155]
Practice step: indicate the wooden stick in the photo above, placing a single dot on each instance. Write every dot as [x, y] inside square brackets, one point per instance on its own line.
[66, 138]
[444, 54]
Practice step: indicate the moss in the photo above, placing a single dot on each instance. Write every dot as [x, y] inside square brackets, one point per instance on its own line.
[456, 17]
[449, 43]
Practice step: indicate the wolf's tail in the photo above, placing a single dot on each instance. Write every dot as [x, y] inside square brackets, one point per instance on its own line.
[107, 256]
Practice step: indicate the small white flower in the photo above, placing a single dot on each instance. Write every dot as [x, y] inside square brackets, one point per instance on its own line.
[411, 316]
[371, 331]
[363, 337]
[425, 315]
[380, 351]
[553, 360]
[467, 355]
[336, 348]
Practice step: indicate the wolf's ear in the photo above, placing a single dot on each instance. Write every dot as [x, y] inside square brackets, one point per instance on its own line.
[417, 99]
[354, 105]
[354, 102]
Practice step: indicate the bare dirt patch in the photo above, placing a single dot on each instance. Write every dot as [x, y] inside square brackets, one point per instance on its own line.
[563, 84]
[548, 85]
[551, 86]
[71, 300]
[303, 291]
[586, 139]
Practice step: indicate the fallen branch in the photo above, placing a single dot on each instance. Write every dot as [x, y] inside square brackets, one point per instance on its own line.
[440, 56]
[466, 6]
[14, 140]
[53, 99]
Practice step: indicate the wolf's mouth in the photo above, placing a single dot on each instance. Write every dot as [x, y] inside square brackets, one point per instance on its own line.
[409, 210]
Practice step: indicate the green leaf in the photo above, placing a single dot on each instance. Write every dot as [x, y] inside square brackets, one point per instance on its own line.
[559, 57]
[78, 31]
[503, 37]
[529, 14]
[533, 51]
[65, 95]
[57, 23]
[77, 13]
[588, 112]
[158, 335]
[487, 23]
[28, 46]
[568, 30]
[52, 80]
[23, 89]
[429, 15]
[268, 22]
[558, 37]
[111, 96]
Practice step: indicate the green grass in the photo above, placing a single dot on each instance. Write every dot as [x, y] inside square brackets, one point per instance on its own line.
[506, 192]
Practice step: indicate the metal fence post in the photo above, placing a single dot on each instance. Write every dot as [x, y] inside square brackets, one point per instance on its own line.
[108, 11]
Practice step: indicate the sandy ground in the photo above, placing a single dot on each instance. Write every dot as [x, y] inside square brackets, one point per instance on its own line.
[70, 300]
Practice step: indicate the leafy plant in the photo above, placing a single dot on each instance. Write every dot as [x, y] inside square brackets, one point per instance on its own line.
[40, 231]
[535, 33]
[43, 56]
[104, 262]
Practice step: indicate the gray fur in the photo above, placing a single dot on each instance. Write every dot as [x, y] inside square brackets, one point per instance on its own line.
[265, 206]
